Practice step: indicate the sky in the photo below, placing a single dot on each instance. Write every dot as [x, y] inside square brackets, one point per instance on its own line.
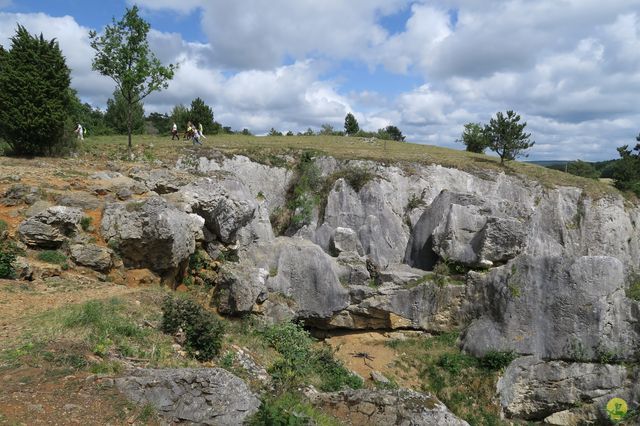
[570, 68]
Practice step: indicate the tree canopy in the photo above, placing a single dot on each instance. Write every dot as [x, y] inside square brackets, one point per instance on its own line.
[35, 97]
[351, 126]
[123, 54]
[506, 136]
[119, 112]
[201, 113]
[626, 171]
[474, 138]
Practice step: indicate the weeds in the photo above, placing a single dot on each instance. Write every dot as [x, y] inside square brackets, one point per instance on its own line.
[53, 256]
[288, 409]
[85, 223]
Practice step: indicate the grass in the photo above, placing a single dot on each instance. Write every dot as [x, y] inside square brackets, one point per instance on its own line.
[272, 149]
[111, 329]
[290, 410]
[53, 256]
[466, 385]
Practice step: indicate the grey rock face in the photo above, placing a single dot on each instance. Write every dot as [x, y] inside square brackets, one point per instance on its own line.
[225, 204]
[161, 181]
[261, 180]
[151, 234]
[239, 287]
[92, 256]
[375, 407]
[533, 389]
[50, 228]
[211, 396]
[466, 229]
[81, 200]
[294, 268]
[555, 308]
[20, 193]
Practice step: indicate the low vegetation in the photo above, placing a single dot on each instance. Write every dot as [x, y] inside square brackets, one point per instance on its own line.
[466, 385]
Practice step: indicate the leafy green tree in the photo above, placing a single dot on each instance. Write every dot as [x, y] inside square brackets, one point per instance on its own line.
[474, 138]
[92, 119]
[393, 133]
[582, 168]
[35, 99]
[122, 117]
[326, 129]
[626, 171]
[123, 54]
[274, 132]
[351, 126]
[506, 136]
[201, 113]
[160, 122]
[180, 116]
[246, 132]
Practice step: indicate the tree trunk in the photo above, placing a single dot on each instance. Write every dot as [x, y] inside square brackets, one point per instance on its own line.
[129, 126]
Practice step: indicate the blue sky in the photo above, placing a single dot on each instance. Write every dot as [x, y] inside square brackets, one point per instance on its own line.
[571, 68]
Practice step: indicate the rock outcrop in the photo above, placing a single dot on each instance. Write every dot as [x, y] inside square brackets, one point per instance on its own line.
[151, 234]
[211, 396]
[50, 228]
[383, 407]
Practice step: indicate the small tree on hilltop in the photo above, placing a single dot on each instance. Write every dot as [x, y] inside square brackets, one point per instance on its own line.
[351, 126]
[626, 171]
[123, 54]
[35, 100]
[394, 133]
[506, 136]
[474, 138]
[201, 113]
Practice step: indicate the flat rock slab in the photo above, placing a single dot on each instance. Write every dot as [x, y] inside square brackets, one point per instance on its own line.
[206, 396]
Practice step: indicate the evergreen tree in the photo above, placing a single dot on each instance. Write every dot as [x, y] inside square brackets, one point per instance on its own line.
[626, 171]
[351, 126]
[201, 113]
[122, 117]
[35, 98]
[506, 136]
[123, 54]
[393, 133]
[180, 116]
[160, 122]
[474, 138]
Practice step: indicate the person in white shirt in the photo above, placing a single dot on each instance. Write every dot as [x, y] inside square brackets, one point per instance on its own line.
[79, 132]
[174, 132]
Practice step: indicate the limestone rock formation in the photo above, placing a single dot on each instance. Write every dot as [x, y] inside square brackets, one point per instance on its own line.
[50, 228]
[151, 234]
[385, 407]
[209, 396]
[93, 256]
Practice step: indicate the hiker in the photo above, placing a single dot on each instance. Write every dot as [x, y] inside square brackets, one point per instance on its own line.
[79, 132]
[195, 137]
[190, 131]
[174, 131]
[200, 131]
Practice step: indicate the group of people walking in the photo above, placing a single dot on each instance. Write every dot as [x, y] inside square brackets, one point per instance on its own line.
[193, 133]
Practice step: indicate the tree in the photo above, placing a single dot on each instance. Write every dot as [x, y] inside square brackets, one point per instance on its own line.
[35, 99]
[180, 116]
[394, 133]
[122, 117]
[201, 113]
[92, 119]
[351, 126]
[582, 168]
[123, 54]
[160, 122]
[274, 132]
[506, 136]
[626, 171]
[474, 138]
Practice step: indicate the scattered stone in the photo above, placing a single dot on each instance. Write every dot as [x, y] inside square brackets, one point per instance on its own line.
[92, 256]
[380, 378]
[50, 228]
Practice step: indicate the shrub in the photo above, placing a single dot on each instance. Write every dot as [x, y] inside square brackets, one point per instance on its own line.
[202, 330]
[288, 410]
[497, 360]
[7, 268]
[53, 256]
[633, 291]
[356, 176]
[456, 362]
[85, 222]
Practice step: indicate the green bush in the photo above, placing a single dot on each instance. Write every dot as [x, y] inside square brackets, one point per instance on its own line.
[497, 360]
[454, 363]
[7, 267]
[289, 410]
[85, 222]
[52, 256]
[356, 176]
[203, 332]
[301, 363]
[633, 291]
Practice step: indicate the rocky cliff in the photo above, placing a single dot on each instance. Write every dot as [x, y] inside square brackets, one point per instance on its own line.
[355, 245]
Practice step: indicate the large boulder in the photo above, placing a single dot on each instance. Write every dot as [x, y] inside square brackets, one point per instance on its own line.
[50, 228]
[534, 389]
[92, 256]
[554, 308]
[225, 204]
[151, 234]
[401, 407]
[209, 396]
[294, 271]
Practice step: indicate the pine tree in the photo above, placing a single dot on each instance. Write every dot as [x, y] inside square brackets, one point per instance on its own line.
[506, 136]
[117, 115]
[351, 126]
[474, 138]
[34, 94]
[201, 113]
